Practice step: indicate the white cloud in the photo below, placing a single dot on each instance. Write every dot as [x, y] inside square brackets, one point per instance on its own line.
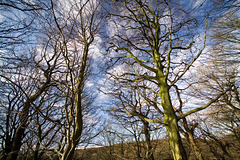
[198, 3]
[89, 84]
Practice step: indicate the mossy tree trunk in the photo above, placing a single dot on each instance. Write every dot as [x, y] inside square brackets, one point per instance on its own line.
[171, 123]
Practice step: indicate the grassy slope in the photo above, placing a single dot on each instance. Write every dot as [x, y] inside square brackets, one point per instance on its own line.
[161, 150]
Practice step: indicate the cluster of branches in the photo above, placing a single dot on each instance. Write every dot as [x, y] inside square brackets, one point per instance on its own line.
[161, 73]
[45, 104]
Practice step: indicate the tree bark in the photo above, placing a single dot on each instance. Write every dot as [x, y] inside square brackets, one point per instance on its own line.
[77, 131]
[189, 134]
[198, 153]
[176, 144]
[171, 122]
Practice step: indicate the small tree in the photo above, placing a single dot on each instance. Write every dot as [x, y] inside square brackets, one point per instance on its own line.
[136, 99]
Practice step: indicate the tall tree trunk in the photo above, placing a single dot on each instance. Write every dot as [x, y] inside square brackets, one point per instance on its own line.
[176, 144]
[76, 135]
[171, 122]
[77, 131]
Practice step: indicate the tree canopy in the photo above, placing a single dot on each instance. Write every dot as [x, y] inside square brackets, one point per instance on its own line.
[152, 69]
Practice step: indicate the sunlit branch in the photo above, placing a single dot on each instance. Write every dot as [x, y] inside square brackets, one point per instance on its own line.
[140, 62]
[204, 106]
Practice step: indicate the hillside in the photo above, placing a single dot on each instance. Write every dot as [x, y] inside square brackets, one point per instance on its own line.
[129, 151]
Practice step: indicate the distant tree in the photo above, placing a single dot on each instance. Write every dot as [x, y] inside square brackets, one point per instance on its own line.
[137, 99]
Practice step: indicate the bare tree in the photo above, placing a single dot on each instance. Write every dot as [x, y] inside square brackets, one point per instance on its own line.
[222, 120]
[27, 71]
[136, 99]
[76, 32]
[60, 64]
[34, 88]
[153, 36]
[11, 103]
